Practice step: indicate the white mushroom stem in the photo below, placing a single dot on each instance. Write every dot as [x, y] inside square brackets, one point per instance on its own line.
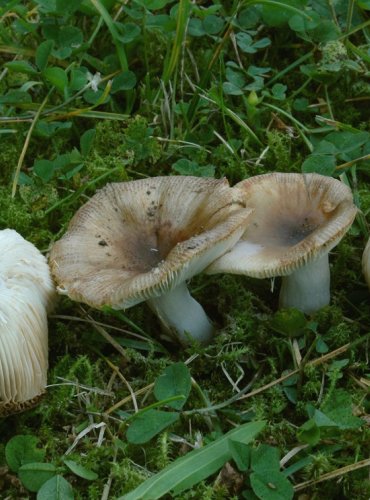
[182, 315]
[307, 288]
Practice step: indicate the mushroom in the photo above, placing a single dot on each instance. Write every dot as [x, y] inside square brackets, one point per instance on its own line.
[26, 294]
[141, 240]
[366, 263]
[297, 220]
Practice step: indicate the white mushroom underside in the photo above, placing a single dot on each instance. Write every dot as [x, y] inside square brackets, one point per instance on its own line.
[23, 343]
[307, 288]
[26, 293]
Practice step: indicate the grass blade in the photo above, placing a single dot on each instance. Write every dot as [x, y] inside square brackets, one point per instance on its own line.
[182, 21]
[195, 466]
[113, 31]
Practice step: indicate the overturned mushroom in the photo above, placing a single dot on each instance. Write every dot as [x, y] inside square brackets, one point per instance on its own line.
[366, 263]
[26, 294]
[297, 220]
[141, 240]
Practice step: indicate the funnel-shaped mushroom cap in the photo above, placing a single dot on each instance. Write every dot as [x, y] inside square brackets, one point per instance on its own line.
[366, 263]
[26, 291]
[137, 240]
[297, 219]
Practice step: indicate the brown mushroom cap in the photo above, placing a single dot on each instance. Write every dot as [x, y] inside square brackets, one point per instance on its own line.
[297, 218]
[136, 240]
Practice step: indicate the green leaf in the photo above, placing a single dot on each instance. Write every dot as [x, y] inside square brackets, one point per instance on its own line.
[244, 42]
[44, 169]
[346, 142]
[196, 27]
[188, 167]
[271, 486]
[309, 433]
[42, 54]
[35, 474]
[262, 43]
[87, 8]
[291, 393]
[321, 420]
[15, 97]
[153, 4]
[363, 4]
[231, 89]
[81, 471]
[247, 45]
[148, 424]
[326, 31]
[174, 381]
[78, 78]
[67, 7]
[301, 104]
[240, 453]
[213, 24]
[86, 141]
[56, 488]
[65, 161]
[319, 164]
[249, 17]
[302, 24]
[290, 322]
[235, 77]
[70, 36]
[21, 67]
[94, 96]
[21, 450]
[161, 22]
[49, 129]
[46, 5]
[277, 15]
[70, 173]
[278, 91]
[57, 77]
[128, 32]
[124, 81]
[197, 465]
[321, 346]
[265, 458]
[339, 409]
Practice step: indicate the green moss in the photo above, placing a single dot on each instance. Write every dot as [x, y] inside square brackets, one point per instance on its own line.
[13, 213]
[9, 155]
[133, 143]
[279, 154]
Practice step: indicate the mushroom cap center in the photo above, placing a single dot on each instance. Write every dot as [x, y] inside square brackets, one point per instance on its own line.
[284, 230]
[139, 249]
[288, 210]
